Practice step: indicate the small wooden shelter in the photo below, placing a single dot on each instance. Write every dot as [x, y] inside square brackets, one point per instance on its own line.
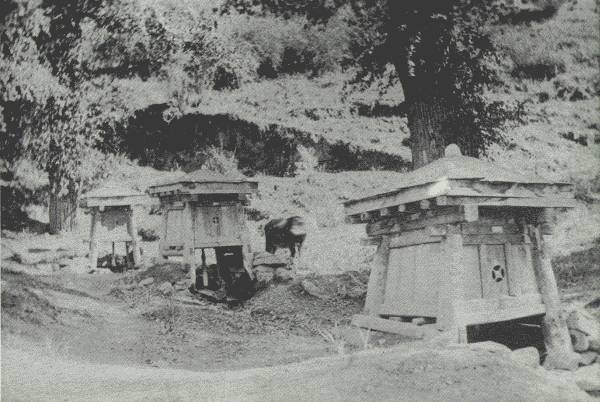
[460, 243]
[111, 208]
[204, 209]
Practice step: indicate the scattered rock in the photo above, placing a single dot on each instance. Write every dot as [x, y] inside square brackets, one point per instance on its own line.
[491, 346]
[283, 275]
[588, 358]
[146, 282]
[264, 276]
[270, 260]
[313, 290]
[129, 286]
[528, 356]
[181, 285]
[585, 330]
[353, 336]
[166, 289]
[588, 378]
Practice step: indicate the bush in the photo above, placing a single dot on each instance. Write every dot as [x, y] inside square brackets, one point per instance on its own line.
[288, 46]
[532, 56]
[221, 161]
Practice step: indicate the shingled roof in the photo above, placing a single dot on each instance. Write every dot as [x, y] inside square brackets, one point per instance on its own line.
[462, 176]
[206, 181]
[113, 194]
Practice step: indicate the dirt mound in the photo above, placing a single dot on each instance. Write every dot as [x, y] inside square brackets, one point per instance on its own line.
[170, 271]
[24, 299]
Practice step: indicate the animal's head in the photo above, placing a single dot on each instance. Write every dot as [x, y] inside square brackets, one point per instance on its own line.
[296, 225]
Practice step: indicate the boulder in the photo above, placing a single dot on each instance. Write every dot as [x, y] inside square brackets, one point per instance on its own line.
[528, 356]
[181, 285]
[587, 358]
[313, 290]
[270, 260]
[264, 276]
[585, 330]
[493, 347]
[146, 282]
[588, 378]
[283, 275]
[166, 289]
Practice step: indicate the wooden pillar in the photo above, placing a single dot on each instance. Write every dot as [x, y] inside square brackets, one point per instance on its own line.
[451, 290]
[132, 230]
[162, 242]
[378, 277]
[560, 354]
[188, 246]
[95, 222]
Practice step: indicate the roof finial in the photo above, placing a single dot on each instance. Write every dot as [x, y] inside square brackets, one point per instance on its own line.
[452, 150]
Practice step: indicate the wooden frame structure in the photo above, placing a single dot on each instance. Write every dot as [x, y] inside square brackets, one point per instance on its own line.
[112, 209]
[205, 210]
[462, 242]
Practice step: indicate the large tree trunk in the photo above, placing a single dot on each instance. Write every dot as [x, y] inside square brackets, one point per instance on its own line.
[426, 120]
[62, 209]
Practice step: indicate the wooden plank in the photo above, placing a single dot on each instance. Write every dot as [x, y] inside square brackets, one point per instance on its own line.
[522, 258]
[395, 327]
[378, 277]
[471, 212]
[414, 237]
[513, 270]
[399, 287]
[556, 334]
[451, 279]
[398, 197]
[498, 238]
[493, 271]
[132, 230]
[472, 278]
[396, 224]
[554, 202]
[490, 315]
[370, 241]
[483, 228]
[95, 223]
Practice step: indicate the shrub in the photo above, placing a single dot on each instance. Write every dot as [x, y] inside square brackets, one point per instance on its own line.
[288, 46]
[221, 161]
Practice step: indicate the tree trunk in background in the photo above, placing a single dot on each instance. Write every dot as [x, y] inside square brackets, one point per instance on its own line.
[429, 105]
[62, 210]
[426, 117]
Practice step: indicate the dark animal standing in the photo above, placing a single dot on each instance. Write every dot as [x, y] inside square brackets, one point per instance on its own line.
[285, 233]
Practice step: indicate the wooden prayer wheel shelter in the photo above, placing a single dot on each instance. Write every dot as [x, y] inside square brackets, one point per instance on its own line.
[204, 210]
[461, 242]
[111, 209]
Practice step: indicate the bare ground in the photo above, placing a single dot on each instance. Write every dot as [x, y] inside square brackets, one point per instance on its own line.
[74, 336]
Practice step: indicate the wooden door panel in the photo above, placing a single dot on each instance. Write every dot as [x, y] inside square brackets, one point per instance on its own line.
[494, 275]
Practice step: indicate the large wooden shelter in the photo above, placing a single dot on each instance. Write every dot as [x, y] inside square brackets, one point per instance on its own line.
[205, 209]
[111, 208]
[460, 243]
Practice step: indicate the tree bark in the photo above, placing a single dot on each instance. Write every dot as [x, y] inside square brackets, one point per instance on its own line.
[429, 107]
[426, 117]
[62, 210]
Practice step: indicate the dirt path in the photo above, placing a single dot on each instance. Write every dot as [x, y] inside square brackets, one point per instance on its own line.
[406, 373]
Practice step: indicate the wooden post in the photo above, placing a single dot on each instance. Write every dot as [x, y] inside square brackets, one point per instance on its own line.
[378, 277]
[95, 217]
[451, 284]
[113, 258]
[132, 230]
[204, 271]
[188, 246]
[560, 354]
[162, 243]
